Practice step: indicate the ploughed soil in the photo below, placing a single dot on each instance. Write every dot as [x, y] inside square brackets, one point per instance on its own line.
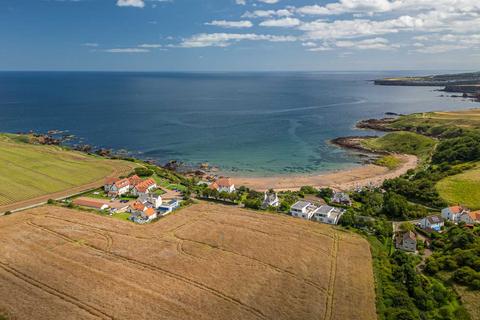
[207, 261]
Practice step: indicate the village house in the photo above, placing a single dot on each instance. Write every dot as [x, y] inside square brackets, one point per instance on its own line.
[432, 223]
[223, 185]
[149, 214]
[328, 214]
[115, 187]
[342, 198]
[406, 241]
[144, 188]
[137, 207]
[169, 206]
[303, 209]
[134, 180]
[270, 199]
[90, 203]
[151, 200]
[470, 217]
[453, 213]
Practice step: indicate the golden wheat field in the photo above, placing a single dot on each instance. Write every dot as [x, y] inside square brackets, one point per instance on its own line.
[207, 261]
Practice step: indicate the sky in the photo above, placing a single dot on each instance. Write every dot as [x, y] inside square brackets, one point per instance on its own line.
[239, 35]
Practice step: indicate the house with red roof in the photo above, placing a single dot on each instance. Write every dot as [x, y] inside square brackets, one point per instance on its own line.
[453, 213]
[470, 217]
[149, 214]
[115, 187]
[144, 188]
[134, 180]
[223, 185]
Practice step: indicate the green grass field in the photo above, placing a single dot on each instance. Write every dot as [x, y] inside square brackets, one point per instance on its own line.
[29, 171]
[390, 162]
[402, 142]
[462, 189]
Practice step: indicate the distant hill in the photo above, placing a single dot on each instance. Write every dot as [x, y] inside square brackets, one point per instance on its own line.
[460, 82]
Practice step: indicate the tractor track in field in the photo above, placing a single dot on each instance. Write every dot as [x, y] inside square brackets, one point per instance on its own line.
[258, 261]
[131, 284]
[254, 311]
[331, 283]
[93, 310]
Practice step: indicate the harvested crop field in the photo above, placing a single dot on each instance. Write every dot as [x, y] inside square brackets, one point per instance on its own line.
[31, 174]
[207, 261]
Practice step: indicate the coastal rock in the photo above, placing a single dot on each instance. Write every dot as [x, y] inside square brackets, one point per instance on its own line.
[375, 124]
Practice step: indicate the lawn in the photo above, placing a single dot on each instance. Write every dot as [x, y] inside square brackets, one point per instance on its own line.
[28, 171]
[402, 142]
[462, 189]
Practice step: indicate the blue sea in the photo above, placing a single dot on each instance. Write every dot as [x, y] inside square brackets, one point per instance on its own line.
[244, 123]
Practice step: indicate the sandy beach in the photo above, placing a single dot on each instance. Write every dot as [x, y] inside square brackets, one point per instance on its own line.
[339, 180]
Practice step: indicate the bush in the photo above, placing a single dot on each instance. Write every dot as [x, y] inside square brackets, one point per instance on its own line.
[143, 172]
[308, 190]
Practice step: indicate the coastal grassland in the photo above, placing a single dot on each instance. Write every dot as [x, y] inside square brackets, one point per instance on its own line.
[462, 189]
[388, 161]
[29, 171]
[207, 261]
[437, 123]
[402, 142]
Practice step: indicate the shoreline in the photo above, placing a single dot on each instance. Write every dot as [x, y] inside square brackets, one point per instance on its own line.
[364, 175]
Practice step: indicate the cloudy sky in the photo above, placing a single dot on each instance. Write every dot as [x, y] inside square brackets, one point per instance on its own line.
[236, 35]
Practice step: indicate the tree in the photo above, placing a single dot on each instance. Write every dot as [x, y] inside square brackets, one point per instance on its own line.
[407, 226]
[395, 206]
[325, 193]
[308, 190]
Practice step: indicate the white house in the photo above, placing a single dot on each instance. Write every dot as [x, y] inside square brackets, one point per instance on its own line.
[328, 214]
[432, 222]
[453, 213]
[169, 206]
[149, 214]
[406, 241]
[270, 200]
[470, 217]
[151, 200]
[341, 198]
[223, 185]
[144, 188]
[303, 209]
[117, 187]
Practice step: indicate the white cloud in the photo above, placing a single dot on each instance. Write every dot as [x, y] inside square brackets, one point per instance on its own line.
[127, 50]
[367, 44]
[90, 44]
[150, 45]
[226, 39]
[131, 3]
[284, 22]
[230, 24]
[268, 13]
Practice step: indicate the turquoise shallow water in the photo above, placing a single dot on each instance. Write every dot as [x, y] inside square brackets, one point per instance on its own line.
[245, 123]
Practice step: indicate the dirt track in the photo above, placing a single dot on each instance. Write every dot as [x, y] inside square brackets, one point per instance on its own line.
[205, 262]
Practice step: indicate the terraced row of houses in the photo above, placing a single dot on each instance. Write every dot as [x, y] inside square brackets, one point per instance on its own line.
[309, 211]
